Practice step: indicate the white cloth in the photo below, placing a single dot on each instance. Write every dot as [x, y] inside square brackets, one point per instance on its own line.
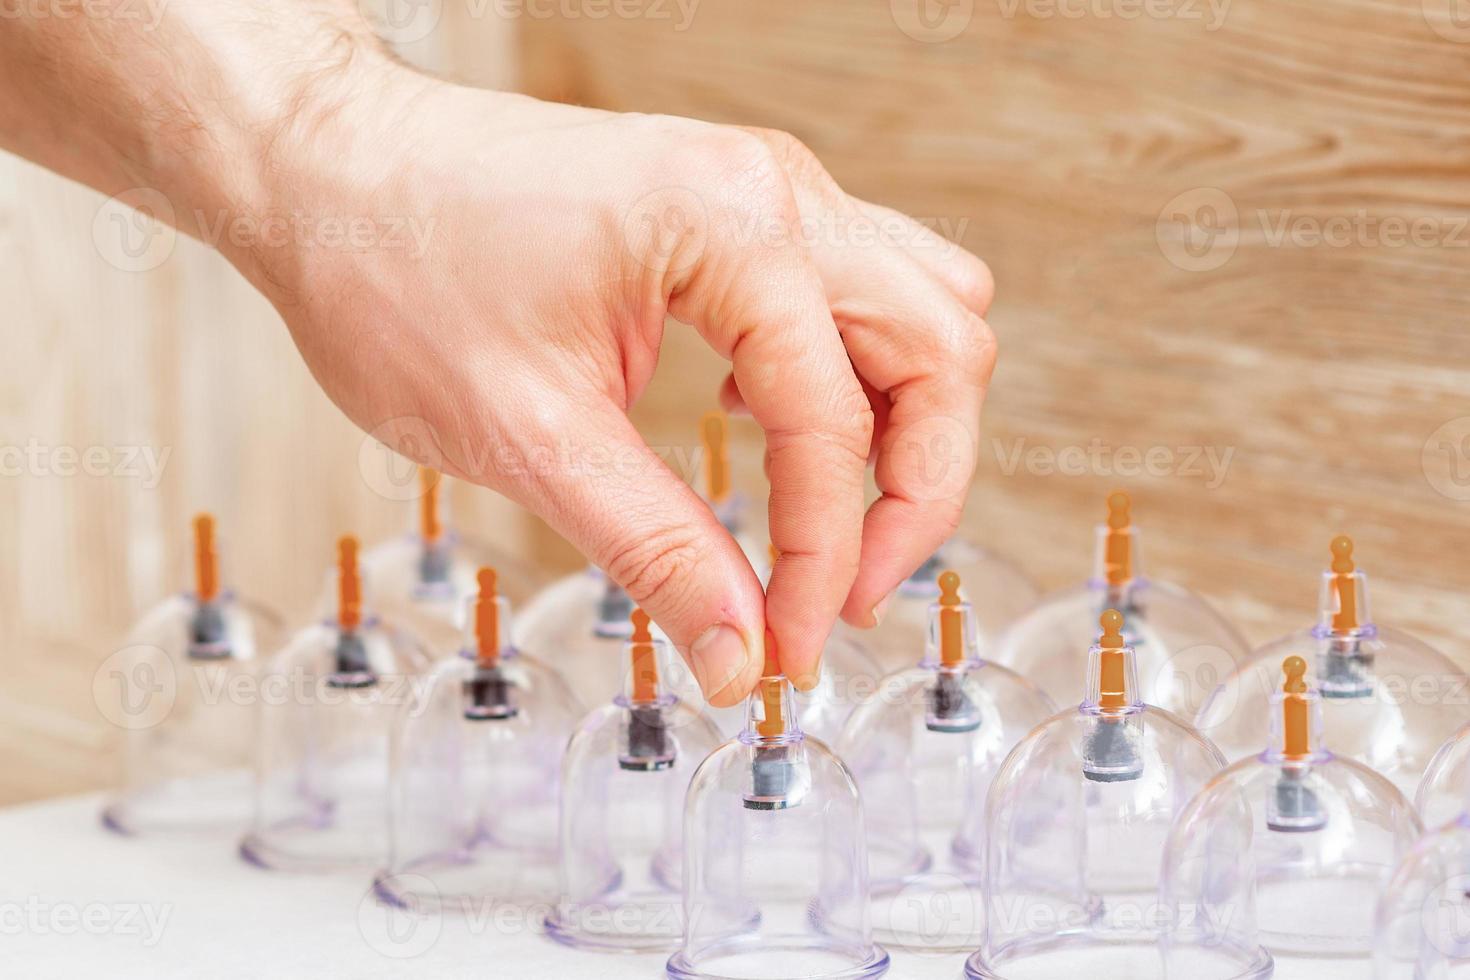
[77, 900]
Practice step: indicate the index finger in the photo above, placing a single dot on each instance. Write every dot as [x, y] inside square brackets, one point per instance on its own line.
[771, 318]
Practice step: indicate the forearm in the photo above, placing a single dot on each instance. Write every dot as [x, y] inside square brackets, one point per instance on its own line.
[194, 99]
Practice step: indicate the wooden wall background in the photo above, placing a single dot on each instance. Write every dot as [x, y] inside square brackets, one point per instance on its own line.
[1338, 376]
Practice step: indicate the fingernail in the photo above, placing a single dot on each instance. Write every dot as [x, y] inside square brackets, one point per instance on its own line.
[718, 658]
[808, 680]
[881, 609]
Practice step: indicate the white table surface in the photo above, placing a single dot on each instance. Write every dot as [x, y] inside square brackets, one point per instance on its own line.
[78, 901]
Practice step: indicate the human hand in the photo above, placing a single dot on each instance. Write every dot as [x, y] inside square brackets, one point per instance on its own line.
[558, 241]
[483, 280]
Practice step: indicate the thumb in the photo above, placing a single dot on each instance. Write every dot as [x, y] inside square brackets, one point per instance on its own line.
[608, 493]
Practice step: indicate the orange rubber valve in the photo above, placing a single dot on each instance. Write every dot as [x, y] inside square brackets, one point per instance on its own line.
[1296, 735]
[206, 559]
[487, 619]
[647, 744]
[772, 691]
[779, 774]
[1112, 663]
[1118, 556]
[948, 707]
[349, 584]
[431, 522]
[1345, 619]
[713, 429]
[951, 620]
[644, 660]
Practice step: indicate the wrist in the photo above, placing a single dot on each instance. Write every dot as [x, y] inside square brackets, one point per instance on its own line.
[246, 121]
[365, 161]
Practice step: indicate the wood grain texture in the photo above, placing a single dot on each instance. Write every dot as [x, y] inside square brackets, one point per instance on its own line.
[1055, 146]
[1049, 145]
[185, 363]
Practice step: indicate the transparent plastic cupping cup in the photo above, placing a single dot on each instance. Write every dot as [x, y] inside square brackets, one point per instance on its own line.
[775, 862]
[474, 793]
[624, 779]
[924, 749]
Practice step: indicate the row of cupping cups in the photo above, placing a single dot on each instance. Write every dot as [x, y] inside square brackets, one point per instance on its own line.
[324, 782]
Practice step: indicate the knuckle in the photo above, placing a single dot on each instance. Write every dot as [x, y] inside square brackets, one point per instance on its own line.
[975, 283]
[789, 150]
[852, 431]
[972, 346]
[655, 568]
[747, 174]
